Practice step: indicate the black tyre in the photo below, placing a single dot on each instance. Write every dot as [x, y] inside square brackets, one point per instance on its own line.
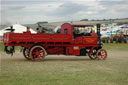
[93, 55]
[26, 53]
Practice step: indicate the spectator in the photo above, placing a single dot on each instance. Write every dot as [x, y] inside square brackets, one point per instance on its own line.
[28, 30]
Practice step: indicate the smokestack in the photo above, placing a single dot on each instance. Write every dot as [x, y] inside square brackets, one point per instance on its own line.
[98, 29]
[98, 33]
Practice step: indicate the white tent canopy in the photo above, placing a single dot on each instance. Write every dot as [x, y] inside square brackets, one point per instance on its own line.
[18, 29]
[0, 33]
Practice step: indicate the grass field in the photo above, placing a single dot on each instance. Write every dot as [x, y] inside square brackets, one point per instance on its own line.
[66, 70]
[1, 46]
[116, 46]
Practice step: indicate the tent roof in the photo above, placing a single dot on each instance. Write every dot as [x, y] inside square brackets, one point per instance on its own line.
[0, 33]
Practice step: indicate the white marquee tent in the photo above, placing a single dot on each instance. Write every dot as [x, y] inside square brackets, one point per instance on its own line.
[0, 35]
[18, 29]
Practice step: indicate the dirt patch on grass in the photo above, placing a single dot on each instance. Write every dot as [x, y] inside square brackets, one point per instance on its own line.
[19, 56]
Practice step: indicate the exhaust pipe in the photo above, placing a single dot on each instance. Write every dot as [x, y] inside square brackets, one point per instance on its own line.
[98, 30]
[98, 33]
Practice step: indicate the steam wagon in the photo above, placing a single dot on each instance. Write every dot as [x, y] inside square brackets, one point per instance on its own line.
[72, 40]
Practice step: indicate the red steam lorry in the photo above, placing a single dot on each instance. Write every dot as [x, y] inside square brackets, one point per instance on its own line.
[70, 41]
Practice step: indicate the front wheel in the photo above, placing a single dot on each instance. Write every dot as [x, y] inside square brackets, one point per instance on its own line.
[37, 53]
[101, 54]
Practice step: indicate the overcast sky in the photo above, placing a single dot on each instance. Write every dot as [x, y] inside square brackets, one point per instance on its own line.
[32, 11]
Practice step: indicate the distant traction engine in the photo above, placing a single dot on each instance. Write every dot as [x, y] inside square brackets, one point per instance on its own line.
[68, 42]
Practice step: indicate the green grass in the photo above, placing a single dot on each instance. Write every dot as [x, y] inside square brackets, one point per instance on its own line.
[116, 46]
[1, 46]
[114, 71]
[17, 71]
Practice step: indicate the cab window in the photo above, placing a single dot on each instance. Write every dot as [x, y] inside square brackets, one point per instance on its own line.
[66, 31]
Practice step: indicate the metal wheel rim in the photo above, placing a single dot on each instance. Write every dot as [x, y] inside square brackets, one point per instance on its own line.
[37, 53]
[26, 53]
[102, 54]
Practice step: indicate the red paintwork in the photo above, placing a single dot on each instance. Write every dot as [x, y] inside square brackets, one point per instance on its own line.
[37, 53]
[54, 43]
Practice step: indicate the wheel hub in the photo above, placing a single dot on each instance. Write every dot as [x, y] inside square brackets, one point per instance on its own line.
[37, 53]
[102, 54]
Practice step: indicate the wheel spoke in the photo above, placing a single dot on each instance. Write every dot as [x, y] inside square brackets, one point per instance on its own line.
[36, 50]
[26, 53]
[37, 53]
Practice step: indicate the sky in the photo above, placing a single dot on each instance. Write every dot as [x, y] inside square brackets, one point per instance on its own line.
[32, 11]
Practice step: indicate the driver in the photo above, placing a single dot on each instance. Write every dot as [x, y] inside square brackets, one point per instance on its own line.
[37, 30]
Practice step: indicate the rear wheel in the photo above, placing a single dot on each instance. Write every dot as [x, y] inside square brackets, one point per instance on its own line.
[101, 54]
[26, 53]
[37, 53]
[93, 55]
